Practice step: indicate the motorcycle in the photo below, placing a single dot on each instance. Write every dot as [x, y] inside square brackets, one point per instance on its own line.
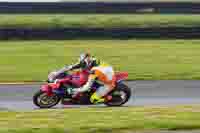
[56, 90]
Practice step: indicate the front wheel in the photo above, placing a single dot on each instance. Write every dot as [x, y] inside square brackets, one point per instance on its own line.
[42, 100]
[120, 95]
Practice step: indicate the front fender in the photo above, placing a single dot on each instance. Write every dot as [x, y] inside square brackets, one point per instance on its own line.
[47, 89]
[44, 88]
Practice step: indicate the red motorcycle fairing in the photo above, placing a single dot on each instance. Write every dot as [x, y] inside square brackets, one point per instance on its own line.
[46, 88]
[78, 79]
[121, 76]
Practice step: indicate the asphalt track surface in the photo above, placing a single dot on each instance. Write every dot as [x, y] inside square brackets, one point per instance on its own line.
[145, 93]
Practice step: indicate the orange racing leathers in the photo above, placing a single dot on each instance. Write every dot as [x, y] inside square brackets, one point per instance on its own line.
[103, 74]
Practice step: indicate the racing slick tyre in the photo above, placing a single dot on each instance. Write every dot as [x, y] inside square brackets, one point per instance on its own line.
[42, 100]
[120, 95]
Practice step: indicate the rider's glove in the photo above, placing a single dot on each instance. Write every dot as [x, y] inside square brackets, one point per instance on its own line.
[69, 67]
[51, 76]
[57, 81]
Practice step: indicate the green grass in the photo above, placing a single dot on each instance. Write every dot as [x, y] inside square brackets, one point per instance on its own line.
[115, 120]
[101, 20]
[143, 59]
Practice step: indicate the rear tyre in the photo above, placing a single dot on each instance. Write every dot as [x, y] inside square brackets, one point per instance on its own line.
[42, 100]
[120, 95]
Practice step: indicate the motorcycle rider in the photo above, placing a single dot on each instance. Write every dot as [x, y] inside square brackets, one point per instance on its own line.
[104, 75]
[101, 72]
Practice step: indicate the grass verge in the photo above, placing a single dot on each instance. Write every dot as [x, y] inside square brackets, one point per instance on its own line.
[101, 20]
[100, 119]
[143, 59]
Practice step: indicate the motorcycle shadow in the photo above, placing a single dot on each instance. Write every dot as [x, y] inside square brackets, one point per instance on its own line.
[82, 106]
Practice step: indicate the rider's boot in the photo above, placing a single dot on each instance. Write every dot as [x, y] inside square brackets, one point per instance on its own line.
[97, 99]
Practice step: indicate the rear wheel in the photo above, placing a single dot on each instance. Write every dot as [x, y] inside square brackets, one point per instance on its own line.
[42, 100]
[120, 95]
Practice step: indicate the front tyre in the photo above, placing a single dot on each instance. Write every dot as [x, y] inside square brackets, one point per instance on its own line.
[42, 100]
[120, 95]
